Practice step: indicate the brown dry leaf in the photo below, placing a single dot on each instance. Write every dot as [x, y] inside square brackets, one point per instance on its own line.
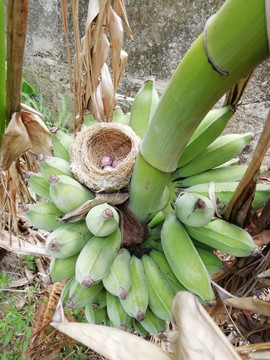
[263, 238]
[198, 338]
[25, 131]
[112, 343]
[117, 32]
[251, 304]
[108, 95]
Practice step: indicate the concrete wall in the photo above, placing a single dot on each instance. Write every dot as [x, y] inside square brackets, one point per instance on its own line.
[163, 31]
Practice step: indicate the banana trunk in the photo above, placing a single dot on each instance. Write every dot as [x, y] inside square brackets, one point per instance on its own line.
[219, 58]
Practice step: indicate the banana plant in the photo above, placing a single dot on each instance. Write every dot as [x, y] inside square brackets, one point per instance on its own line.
[2, 71]
[219, 58]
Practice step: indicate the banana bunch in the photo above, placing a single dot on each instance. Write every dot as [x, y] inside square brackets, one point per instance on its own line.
[132, 288]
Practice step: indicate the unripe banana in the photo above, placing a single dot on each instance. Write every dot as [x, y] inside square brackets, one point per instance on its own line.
[224, 236]
[156, 220]
[153, 324]
[137, 300]
[96, 258]
[68, 240]
[152, 241]
[61, 143]
[193, 209]
[211, 261]
[221, 150]
[119, 116]
[95, 316]
[43, 215]
[102, 220]
[67, 193]
[51, 165]
[209, 129]
[62, 269]
[118, 281]
[100, 300]
[224, 191]
[143, 107]
[38, 184]
[139, 328]
[88, 120]
[116, 312]
[182, 255]
[161, 261]
[219, 174]
[160, 292]
[79, 297]
[65, 291]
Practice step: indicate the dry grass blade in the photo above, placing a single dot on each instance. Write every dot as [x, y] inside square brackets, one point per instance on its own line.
[193, 322]
[45, 342]
[64, 16]
[120, 9]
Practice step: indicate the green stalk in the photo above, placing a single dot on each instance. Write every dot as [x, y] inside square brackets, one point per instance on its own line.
[2, 71]
[236, 39]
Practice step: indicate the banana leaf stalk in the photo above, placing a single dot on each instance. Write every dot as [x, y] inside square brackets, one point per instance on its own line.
[2, 71]
[233, 43]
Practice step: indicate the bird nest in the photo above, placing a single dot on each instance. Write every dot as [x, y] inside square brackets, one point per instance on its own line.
[98, 142]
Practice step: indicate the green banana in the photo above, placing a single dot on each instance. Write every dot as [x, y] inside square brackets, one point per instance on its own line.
[100, 300]
[118, 281]
[43, 215]
[219, 174]
[193, 209]
[162, 262]
[139, 328]
[182, 255]
[224, 191]
[156, 220]
[221, 150]
[61, 143]
[211, 261]
[224, 236]
[38, 184]
[62, 269]
[209, 129]
[102, 220]
[67, 193]
[119, 116]
[143, 107]
[96, 258]
[152, 323]
[137, 300]
[88, 120]
[67, 240]
[160, 292]
[116, 312]
[78, 297]
[95, 316]
[51, 165]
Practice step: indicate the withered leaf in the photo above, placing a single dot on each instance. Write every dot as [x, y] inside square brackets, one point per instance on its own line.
[25, 131]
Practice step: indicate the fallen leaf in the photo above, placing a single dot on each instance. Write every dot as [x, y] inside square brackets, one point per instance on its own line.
[112, 343]
[199, 338]
[251, 304]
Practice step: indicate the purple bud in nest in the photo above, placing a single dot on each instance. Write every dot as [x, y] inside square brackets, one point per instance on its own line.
[106, 161]
[115, 163]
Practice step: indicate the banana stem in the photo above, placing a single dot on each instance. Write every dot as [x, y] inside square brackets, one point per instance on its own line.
[234, 42]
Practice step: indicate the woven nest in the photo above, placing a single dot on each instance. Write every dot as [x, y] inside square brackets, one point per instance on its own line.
[93, 144]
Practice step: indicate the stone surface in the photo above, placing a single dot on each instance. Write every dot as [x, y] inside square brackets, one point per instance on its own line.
[163, 30]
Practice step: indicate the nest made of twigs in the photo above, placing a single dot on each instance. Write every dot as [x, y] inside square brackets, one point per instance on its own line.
[93, 144]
